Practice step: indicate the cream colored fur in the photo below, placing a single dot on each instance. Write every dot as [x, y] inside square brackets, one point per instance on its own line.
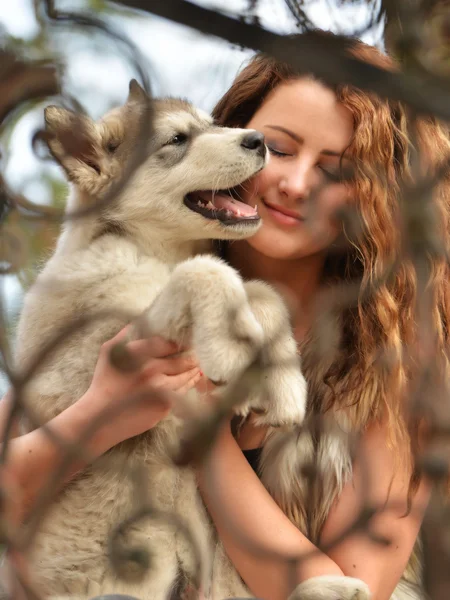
[144, 255]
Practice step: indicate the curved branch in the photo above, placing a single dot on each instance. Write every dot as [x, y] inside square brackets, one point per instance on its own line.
[325, 56]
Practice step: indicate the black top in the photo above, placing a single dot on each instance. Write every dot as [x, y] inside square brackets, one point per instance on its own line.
[253, 457]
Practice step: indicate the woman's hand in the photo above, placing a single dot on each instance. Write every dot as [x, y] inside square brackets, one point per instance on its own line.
[150, 388]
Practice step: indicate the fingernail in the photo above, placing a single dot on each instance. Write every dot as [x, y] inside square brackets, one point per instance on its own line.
[200, 373]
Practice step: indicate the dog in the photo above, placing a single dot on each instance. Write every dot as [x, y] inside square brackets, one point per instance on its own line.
[146, 256]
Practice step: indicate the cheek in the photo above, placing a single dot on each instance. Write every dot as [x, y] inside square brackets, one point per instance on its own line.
[258, 185]
[332, 201]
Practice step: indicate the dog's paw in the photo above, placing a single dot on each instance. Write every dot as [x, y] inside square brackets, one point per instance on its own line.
[331, 587]
[226, 347]
[284, 396]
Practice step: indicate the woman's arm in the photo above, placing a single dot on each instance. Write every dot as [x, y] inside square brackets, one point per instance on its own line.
[377, 478]
[33, 457]
[233, 494]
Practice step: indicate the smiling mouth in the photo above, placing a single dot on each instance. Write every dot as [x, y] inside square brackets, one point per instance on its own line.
[221, 206]
[282, 215]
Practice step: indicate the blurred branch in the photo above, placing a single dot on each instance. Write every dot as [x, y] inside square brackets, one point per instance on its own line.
[22, 81]
[297, 10]
[88, 22]
[311, 52]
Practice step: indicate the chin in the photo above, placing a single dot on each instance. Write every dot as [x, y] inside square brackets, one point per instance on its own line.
[278, 245]
[271, 244]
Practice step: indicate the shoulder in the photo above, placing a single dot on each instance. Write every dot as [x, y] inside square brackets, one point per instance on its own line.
[383, 469]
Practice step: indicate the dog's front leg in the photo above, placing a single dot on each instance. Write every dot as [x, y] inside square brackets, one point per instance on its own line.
[282, 397]
[331, 587]
[205, 299]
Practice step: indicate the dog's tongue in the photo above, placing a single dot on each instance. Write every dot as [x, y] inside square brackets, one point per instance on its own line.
[225, 202]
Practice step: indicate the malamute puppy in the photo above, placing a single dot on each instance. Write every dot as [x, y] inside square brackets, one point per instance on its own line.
[145, 253]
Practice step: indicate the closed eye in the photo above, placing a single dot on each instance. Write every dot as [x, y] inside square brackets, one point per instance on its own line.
[345, 174]
[277, 152]
[333, 176]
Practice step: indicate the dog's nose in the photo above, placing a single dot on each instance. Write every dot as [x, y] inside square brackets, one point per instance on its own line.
[254, 141]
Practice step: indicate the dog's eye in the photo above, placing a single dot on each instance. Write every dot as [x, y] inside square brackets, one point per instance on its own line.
[178, 139]
[112, 146]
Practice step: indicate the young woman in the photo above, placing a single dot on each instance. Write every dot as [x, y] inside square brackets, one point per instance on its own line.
[331, 149]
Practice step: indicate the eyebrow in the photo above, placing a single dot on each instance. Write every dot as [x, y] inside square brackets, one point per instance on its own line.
[300, 140]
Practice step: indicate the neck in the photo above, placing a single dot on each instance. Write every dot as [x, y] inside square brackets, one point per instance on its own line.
[299, 278]
[162, 245]
[165, 246]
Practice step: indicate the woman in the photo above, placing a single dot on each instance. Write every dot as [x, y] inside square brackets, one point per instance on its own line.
[322, 142]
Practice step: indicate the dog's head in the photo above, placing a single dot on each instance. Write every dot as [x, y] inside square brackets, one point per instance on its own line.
[186, 183]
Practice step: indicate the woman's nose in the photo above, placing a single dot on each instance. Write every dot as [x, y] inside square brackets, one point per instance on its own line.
[296, 182]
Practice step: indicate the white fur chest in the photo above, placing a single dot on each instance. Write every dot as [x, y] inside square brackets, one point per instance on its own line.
[93, 293]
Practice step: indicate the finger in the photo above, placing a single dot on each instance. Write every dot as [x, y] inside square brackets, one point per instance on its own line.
[206, 387]
[153, 347]
[174, 382]
[170, 366]
[167, 347]
[185, 381]
[191, 383]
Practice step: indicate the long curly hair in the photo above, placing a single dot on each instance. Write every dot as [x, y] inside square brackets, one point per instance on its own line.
[382, 322]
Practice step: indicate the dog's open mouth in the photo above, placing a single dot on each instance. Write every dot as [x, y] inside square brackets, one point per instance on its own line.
[221, 206]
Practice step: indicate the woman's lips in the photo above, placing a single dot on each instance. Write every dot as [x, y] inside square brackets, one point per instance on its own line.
[282, 215]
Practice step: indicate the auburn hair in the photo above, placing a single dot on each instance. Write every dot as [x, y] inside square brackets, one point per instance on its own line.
[385, 321]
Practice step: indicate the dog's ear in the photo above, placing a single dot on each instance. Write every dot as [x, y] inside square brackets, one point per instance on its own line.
[72, 140]
[137, 93]
[68, 134]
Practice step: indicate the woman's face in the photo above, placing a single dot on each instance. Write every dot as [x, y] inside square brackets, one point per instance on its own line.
[298, 193]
